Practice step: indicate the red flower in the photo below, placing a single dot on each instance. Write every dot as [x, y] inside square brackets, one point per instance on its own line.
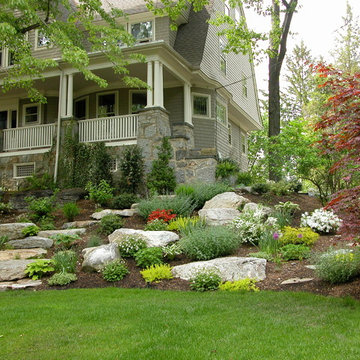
[164, 215]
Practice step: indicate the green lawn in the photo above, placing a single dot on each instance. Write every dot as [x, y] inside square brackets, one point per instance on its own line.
[139, 324]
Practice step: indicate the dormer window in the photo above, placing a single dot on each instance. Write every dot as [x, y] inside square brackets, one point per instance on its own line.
[143, 31]
[41, 40]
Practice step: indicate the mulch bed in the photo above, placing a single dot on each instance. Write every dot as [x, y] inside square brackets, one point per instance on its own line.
[275, 273]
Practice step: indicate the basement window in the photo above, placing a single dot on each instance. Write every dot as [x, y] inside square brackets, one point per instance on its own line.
[24, 170]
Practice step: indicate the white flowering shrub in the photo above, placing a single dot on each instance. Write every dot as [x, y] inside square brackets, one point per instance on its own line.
[321, 221]
[251, 224]
[129, 245]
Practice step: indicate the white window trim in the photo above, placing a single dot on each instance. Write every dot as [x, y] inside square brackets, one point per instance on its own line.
[223, 103]
[208, 115]
[86, 98]
[227, 9]
[15, 166]
[222, 57]
[230, 134]
[39, 114]
[141, 21]
[237, 15]
[45, 47]
[115, 169]
[5, 59]
[9, 110]
[116, 101]
[244, 86]
[130, 97]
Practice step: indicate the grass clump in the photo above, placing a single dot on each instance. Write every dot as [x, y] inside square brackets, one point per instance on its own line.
[94, 241]
[62, 279]
[65, 261]
[129, 245]
[148, 257]
[209, 243]
[158, 272]
[3, 240]
[110, 223]
[70, 210]
[243, 285]
[205, 280]
[185, 225]
[115, 271]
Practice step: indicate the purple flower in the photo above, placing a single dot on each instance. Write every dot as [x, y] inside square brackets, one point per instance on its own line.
[276, 236]
[300, 236]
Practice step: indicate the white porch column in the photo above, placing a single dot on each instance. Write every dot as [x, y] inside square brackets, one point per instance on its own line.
[149, 101]
[69, 112]
[63, 87]
[158, 84]
[187, 104]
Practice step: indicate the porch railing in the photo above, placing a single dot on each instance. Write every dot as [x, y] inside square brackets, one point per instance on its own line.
[30, 137]
[108, 129]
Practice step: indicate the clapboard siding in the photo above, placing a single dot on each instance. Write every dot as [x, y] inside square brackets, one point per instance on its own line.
[174, 103]
[204, 133]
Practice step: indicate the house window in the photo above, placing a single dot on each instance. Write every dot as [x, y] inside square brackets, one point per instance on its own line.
[227, 8]
[222, 45]
[113, 165]
[24, 170]
[138, 101]
[41, 40]
[221, 115]
[31, 114]
[243, 143]
[81, 109]
[230, 133]
[6, 58]
[3, 119]
[244, 86]
[201, 105]
[143, 31]
[106, 104]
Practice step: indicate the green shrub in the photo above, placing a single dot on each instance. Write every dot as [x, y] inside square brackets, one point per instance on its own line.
[5, 208]
[295, 186]
[298, 236]
[205, 280]
[115, 271]
[46, 223]
[161, 178]
[244, 178]
[65, 261]
[180, 205]
[129, 245]
[39, 182]
[93, 241]
[156, 225]
[225, 168]
[109, 223]
[200, 193]
[185, 225]
[40, 207]
[338, 266]
[38, 268]
[3, 240]
[124, 201]
[244, 285]
[172, 250]
[31, 230]
[65, 240]
[62, 279]
[149, 256]
[155, 273]
[294, 252]
[280, 188]
[132, 169]
[261, 188]
[70, 210]
[209, 243]
[100, 193]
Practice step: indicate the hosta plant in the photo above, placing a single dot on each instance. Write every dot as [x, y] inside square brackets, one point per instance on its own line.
[115, 271]
[321, 221]
[38, 268]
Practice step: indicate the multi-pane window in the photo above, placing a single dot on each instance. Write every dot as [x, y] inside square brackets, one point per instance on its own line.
[221, 115]
[106, 105]
[201, 105]
[143, 31]
[31, 114]
[6, 58]
[24, 170]
[42, 40]
[138, 101]
[113, 165]
[222, 46]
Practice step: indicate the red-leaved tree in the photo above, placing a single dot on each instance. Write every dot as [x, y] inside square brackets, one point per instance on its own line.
[340, 128]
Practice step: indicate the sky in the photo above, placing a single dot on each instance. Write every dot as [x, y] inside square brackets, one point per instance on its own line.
[315, 23]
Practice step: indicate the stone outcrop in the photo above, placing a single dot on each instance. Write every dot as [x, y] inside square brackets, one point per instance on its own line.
[13, 269]
[229, 268]
[219, 216]
[14, 230]
[32, 242]
[152, 238]
[20, 284]
[48, 233]
[96, 258]
[22, 254]
[79, 224]
[229, 200]
[124, 213]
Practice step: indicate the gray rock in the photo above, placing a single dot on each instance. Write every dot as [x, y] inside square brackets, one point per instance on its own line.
[219, 216]
[80, 224]
[226, 200]
[14, 230]
[311, 267]
[13, 269]
[48, 233]
[96, 258]
[32, 242]
[20, 284]
[124, 213]
[229, 268]
[296, 281]
[152, 238]
[21, 254]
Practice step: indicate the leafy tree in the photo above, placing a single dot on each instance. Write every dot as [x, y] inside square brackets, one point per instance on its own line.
[75, 28]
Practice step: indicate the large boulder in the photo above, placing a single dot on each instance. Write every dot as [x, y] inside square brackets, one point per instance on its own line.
[96, 258]
[22, 254]
[219, 216]
[229, 200]
[32, 242]
[152, 238]
[48, 233]
[13, 269]
[124, 213]
[14, 230]
[229, 268]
